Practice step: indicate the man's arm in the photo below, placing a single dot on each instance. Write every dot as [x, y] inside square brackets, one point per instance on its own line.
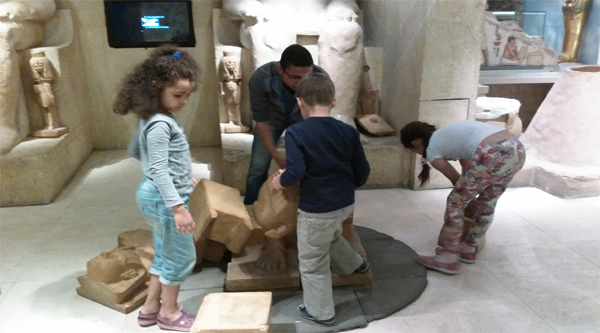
[259, 104]
[266, 137]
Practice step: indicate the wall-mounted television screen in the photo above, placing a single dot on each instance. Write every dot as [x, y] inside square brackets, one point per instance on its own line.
[150, 23]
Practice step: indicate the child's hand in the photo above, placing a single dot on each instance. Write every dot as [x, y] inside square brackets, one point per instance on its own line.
[183, 220]
[277, 182]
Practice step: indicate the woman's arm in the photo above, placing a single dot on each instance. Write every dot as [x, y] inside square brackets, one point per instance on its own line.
[447, 169]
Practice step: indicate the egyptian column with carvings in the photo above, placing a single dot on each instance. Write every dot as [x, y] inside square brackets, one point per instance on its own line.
[20, 29]
[43, 76]
[328, 28]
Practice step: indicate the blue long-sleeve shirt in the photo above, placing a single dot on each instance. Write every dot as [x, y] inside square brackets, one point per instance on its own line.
[326, 157]
[162, 147]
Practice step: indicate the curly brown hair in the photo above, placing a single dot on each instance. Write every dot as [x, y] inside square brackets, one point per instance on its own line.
[141, 89]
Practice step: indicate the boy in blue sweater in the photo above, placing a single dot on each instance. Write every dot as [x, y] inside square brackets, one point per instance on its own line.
[326, 157]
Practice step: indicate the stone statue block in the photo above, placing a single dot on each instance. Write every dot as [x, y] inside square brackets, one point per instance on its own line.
[219, 215]
[562, 139]
[234, 313]
[118, 278]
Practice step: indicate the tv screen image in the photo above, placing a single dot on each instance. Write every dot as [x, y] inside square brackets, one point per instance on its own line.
[149, 23]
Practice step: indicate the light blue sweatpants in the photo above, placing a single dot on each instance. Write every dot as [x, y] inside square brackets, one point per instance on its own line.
[174, 253]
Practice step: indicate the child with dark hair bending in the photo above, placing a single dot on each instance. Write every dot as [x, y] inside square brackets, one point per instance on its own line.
[490, 157]
[326, 157]
[155, 90]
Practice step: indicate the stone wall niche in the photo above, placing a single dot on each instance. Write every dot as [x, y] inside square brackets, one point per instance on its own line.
[562, 140]
[37, 169]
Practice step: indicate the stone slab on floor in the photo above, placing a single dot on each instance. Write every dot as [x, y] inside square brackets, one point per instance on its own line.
[234, 313]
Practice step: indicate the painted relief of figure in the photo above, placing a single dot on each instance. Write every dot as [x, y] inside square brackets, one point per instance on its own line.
[511, 53]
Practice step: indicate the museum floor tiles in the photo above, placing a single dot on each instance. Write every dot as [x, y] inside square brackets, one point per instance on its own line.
[538, 272]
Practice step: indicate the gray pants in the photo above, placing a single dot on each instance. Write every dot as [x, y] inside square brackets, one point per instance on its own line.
[321, 245]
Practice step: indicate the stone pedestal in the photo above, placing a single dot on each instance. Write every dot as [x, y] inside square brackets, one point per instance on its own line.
[385, 155]
[562, 140]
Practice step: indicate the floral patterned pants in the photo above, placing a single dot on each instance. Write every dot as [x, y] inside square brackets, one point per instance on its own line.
[492, 168]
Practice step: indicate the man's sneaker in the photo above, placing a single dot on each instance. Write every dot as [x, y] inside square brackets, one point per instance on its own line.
[430, 262]
[363, 268]
[302, 311]
[467, 258]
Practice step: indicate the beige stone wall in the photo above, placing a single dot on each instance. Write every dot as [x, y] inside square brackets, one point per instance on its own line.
[104, 68]
[431, 52]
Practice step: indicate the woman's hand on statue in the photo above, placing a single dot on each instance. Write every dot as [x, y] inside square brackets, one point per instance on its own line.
[183, 220]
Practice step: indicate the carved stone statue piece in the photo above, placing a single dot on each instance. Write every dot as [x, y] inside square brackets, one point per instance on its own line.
[20, 28]
[118, 278]
[229, 83]
[43, 75]
[269, 26]
[575, 15]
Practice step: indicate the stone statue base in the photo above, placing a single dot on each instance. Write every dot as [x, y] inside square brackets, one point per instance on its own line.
[243, 273]
[232, 128]
[50, 133]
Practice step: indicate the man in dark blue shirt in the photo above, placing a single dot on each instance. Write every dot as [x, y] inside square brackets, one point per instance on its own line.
[326, 157]
[274, 108]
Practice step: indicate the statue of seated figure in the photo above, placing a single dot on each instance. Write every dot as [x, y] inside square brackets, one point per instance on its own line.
[269, 26]
[20, 29]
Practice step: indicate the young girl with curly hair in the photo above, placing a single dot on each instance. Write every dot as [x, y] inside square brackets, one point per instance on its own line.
[490, 157]
[157, 88]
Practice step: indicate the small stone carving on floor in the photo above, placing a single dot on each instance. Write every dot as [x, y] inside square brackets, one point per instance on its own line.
[118, 278]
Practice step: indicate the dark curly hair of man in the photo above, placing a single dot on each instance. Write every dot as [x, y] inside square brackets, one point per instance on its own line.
[141, 89]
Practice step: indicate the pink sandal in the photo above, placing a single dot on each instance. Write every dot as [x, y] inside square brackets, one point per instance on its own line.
[183, 323]
[147, 320]
[430, 262]
[467, 258]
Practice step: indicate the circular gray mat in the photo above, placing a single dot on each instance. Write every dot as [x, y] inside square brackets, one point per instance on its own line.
[397, 281]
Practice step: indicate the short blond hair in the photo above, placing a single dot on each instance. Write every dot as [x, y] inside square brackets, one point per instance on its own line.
[316, 89]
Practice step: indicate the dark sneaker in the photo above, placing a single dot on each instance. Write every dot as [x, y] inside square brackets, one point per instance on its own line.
[430, 262]
[302, 311]
[363, 268]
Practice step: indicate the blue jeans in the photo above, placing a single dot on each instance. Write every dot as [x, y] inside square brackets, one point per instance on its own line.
[174, 253]
[260, 161]
[321, 245]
